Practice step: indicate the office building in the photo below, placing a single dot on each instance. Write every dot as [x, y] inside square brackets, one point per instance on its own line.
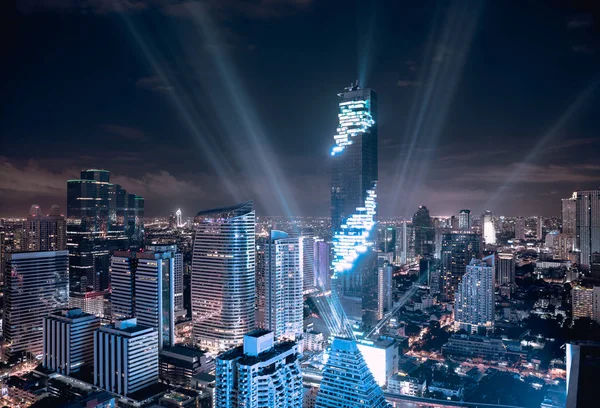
[381, 356]
[35, 285]
[587, 228]
[101, 217]
[489, 228]
[223, 276]
[520, 228]
[125, 357]
[353, 200]
[307, 245]
[583, 363]
[464, 220]
[569, 215]
[322, 265]
[69, 340]
[505, 268]
[384, 289]
[474, 304]
[424, 233]
[45, 232]
[405, 244]
[262, 374]
[283, 283]
[539, 228]
[457, 251]
[432, 270]
[143, 286]
[386, 240]
[347, 381]
[178, 364]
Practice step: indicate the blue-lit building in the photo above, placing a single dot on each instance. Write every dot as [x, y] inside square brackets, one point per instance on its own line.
[353, 201]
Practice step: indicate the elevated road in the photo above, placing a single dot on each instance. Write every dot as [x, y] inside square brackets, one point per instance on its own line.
[399, 401]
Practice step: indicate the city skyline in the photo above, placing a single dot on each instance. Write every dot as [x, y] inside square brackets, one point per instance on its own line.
[177, 149]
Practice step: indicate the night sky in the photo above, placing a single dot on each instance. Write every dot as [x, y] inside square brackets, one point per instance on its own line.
[482, 105]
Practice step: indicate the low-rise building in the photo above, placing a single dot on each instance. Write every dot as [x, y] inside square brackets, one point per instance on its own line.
[406, 385]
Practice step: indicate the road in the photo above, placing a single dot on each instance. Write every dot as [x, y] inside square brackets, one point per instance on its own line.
[400, 401]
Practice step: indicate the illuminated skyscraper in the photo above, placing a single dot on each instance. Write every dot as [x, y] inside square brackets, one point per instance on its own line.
[583, 362]
[347, 381]
[489, 228]
[505, 268]
[405, 242]
[223, 276]
[520, 228]
[35, 285]
[353, 199]
[539, 225]
[457, 251]
[474, 304]
[569, 214]
[587, 227]
[424, 233]
[384, 289]
[464, 220]
[284, 303]
[45, 232]
[307, 242]
[101, 217]
[322, 265]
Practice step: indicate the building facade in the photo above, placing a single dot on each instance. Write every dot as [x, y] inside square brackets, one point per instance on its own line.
[457, 251]
[223, 276]
[464, 220]
[35, 285]
[587, 228]
[69, 340]
[474, 304]
[505, 268]
[424, 233]
[260, 374]
[45, 232]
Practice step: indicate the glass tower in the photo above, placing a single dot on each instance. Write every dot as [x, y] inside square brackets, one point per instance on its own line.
[223, 276]
[353, 201]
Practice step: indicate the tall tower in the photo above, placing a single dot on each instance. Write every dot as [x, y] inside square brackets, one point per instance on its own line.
[45, 232]
[569, 214]
[505, 268]
[489, 228]
[587, 227]
[474, 303]
[283, 275]
[353, 199]
[223, 276]
[457, 250]
[464, 220]
[424, 233]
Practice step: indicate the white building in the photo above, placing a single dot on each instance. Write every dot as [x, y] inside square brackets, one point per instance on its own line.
[126, 357]
[405, 385]
[223, 276]
[474, 298]
[489, 229]
[384, 289]
[262, 374]
[69, 340]
[381, 356]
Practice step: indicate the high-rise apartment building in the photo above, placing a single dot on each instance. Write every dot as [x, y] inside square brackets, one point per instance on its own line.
[585, 302]
[223, 276]
[45, 232]
[384, 289]
[143, 286]
[489, 228]
[283, 282]
[464, 220]
[125, 357]
[424, 233]
[539, 228]
[353, 200]
[457, 251]
[69, 340]
[569, 214]
[307, 243]
[101, 217]
[587, 228]
[35, 285]
[474, 304]
[347, 381]
[260, 374]
[520, 228]
[405, 241]
[505, 268]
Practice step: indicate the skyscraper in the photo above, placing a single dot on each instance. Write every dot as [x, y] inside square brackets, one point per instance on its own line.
[260, 374]
[223, 276]
[424, 233]
[45, 232]
[101, 217]
[520, 228]
[69, 340]
[322, 265]
[569, 214]
[307, 243]
[284, 304]
[464, 220]
[143, 286]
[125, 357]
[489, 228]
[353, 198]
[35, 285]
[474, 304]
[405, 239]
[505, 268]
[457, 251]
[387, 240]
[587, 228]
[384, 289]
[539, 225]
[347, 381]
[583, 363]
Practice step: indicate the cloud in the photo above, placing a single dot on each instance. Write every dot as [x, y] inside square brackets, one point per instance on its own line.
[82, 6]
[532, 173]
[580, 21]
[404, 83]
[153, 83]
[125, 131]
[582, 49]
[253, 9]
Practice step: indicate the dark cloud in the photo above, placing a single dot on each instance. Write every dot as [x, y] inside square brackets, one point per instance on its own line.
[126, 132]
[153, 83]
[580, 21]
[404, 83]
